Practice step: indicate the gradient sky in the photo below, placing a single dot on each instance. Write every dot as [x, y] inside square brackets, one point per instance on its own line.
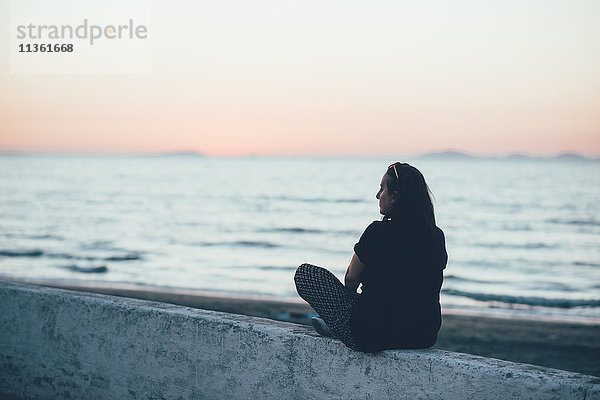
[328, 78]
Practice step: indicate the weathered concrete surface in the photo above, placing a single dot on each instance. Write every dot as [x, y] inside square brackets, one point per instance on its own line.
[61, 344]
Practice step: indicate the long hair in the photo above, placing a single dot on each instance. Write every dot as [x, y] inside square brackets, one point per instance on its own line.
[413, 205]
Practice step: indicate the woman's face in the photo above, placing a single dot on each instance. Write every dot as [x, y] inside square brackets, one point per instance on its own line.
[386, 199]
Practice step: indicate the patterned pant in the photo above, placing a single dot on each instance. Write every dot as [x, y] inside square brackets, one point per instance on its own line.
[330, 299]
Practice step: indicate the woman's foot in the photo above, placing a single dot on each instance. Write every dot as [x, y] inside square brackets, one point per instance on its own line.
[321, 327]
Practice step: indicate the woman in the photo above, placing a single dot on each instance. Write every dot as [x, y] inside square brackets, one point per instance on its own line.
[398, 261]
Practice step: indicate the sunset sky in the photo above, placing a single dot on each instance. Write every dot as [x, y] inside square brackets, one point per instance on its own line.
[326, 78]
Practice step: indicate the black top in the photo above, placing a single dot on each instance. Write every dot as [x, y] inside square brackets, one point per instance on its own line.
[399, 306]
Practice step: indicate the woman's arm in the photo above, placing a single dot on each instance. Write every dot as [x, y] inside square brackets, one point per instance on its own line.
[354, 273]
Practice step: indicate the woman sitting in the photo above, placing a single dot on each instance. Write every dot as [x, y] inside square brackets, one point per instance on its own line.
[398, 262]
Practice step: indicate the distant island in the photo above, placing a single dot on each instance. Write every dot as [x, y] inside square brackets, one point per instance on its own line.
[180, 154]
[459, 155]
[450, 154]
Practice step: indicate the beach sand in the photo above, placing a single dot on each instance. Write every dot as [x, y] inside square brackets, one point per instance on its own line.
[567, 346]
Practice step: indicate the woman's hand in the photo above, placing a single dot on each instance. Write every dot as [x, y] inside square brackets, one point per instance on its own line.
[354, 273]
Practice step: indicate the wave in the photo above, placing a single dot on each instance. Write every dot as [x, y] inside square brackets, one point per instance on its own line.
[516, 227]
[324, 200]
[586, 264]
[574, 221]
[517, 245]
[276, 268]
[88, 270]
[293, 230]
[97, 245]
[313, 199]
[525, 300]
[70, 256]
[456, 278]
[22, 253]
[126, 257]
[48, 236]
[309, 231]
[251, 243]
[263, 267]
[242, 243]
[35, 236]
[521, 261]
[481, 263]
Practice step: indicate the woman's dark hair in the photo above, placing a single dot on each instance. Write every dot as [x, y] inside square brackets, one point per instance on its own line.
[413, 205]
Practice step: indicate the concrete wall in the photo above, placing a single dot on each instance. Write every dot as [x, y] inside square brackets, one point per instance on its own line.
[61, 344]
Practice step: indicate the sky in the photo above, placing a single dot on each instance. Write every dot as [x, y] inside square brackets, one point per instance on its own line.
[330, 78]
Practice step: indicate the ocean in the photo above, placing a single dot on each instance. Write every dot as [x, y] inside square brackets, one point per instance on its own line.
[523, 235]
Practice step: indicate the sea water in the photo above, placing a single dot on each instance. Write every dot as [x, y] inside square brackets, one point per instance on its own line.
[523, 235]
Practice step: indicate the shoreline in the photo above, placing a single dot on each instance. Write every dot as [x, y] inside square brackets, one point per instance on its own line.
[183, 296]
[570, 346]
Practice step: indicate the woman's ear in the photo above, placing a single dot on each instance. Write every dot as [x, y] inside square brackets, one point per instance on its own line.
[394, 196]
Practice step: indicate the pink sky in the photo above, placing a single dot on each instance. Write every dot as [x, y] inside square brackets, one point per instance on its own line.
[314, 78]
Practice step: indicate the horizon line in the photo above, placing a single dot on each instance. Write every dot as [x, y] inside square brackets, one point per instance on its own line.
[441, 153]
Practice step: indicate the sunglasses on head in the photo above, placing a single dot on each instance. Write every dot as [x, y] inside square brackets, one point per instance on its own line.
[395, 170]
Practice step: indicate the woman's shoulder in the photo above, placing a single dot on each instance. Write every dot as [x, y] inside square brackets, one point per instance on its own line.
[397, 228]
[380, 225]
[374, 230]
